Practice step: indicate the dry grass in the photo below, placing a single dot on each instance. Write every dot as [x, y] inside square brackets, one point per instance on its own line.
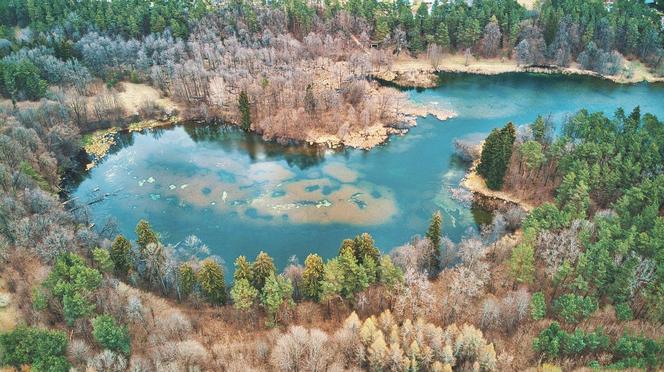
[9, 314]
[529, 4]
[133, 96]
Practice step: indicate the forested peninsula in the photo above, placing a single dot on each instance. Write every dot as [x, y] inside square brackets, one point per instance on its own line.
[567, 274]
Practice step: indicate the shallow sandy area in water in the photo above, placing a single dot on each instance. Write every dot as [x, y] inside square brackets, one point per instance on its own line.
[266, 192]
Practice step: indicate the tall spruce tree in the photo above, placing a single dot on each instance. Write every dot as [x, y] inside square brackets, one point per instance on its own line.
[211, 281]
[442, 37]
[434, 234]
[242, 269]
[121, 255]
[312, 276]
[145, 235]
[261, 269]
[276, 294]
[245, 110]
[496, 154]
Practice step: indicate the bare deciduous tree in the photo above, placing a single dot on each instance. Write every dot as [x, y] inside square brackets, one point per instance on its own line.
[301, 349]
[415, 298]
[108, 361]
[435, 55]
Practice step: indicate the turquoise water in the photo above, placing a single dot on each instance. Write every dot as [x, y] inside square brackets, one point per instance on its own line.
[241, 195]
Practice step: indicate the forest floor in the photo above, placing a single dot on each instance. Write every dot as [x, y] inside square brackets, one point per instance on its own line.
[131, 97]
[420, 72]
[476, 184]
[9, 314]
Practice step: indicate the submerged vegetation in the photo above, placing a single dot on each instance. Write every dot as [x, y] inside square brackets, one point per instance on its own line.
[576, 282]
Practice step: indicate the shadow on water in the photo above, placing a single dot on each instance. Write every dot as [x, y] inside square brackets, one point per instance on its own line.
[231, 138]
[481, 215]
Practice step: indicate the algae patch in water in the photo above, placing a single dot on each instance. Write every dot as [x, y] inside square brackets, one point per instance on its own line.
[98, 144]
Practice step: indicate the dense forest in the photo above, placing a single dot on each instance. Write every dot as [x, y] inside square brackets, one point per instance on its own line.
[65, 43]
[282, 68]
[576, 282]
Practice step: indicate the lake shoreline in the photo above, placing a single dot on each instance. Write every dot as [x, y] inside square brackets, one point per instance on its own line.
[378, 134]
[408, 72]
[98, 142]
[488, 198]
[271, 188]
[405, 72]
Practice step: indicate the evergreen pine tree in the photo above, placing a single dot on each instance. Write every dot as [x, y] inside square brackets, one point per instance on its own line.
[354, 276]
[442, 37]
[242, 269]
[312, 276]
[102, 259]
[145, 235]
[364, 246]
[415, 39]
[262, 268]
[522, 263]
[382, 30]
[244, 295]
[121, 255]
[496, 154]
[277, 292]
[361, 246]
[211, 281]
[111, 335]
[434, 234]
[331, 285]
[538, 306]
[245, 110]
[187, 279]
[309, 100]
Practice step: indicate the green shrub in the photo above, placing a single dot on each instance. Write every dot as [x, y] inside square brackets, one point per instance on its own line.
[623, 312]
[637, 352]
[553, 342]
[35, 176]
[72, 281]
[538, 306]
[573, 308]
[110, 334]
[39, 300]
[43, 349]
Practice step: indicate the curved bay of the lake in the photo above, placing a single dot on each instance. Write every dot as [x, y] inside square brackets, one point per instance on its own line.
[240, 194]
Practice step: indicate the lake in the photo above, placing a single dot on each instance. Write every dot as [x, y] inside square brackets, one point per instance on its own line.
[240, 194]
